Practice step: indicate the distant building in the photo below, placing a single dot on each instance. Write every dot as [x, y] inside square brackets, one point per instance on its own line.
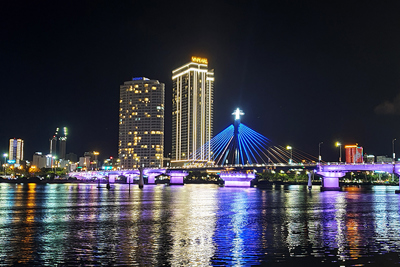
[384, 159]
[63, 147]
[141, 123]
[71, 157]
[53, 144]
[84, 163]
[192, 111]
[16, 150]
[354, 154]
[369, 158]
[63, 144]
[50, 161]
[111, 164]
[39, 160]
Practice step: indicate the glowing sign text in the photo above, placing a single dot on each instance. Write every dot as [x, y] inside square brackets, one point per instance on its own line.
[199, 60]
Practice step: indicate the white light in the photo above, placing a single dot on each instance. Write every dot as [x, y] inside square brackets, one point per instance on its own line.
[186, 71]
[237, 113]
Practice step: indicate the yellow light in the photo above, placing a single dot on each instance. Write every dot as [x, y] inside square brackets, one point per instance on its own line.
[288, 147]
[199, 60]
[338, 144]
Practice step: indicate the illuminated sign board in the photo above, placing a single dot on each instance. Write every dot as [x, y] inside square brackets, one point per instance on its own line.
[200, 60]
[11, 161]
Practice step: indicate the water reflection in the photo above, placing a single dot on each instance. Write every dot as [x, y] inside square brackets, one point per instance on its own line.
[79, 224]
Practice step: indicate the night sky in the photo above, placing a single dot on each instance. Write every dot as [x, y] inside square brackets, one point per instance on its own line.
[303, 72]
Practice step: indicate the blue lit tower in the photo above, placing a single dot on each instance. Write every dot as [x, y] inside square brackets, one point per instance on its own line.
[237, 114]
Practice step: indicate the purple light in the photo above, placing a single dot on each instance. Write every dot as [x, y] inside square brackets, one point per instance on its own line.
[111, 178]
[176, 177]
[237, 178]
[331, 182]
[151, 178]
[238, 183]
[176, 180]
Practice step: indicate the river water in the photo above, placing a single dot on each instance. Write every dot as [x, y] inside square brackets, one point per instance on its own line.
[197, 225]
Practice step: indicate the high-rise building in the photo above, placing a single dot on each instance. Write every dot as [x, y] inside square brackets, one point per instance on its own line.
[63, 144]
[16, 150]
[192, 112]
[53, 143]
[63, 147]
[141, 123]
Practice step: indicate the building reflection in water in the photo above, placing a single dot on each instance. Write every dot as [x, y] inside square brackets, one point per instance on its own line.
[194, 209]
[79, 224]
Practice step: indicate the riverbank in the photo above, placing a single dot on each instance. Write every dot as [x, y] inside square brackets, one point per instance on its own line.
[255, 183]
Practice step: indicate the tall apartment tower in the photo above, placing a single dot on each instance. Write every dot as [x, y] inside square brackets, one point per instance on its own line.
[63, 144]
[141, 123]
[16, 150]
[192, 112]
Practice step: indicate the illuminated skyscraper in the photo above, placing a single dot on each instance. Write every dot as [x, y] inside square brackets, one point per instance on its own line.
[141, 123]
[63, 144]
[16, 150]
[53, 143]
[192, 111]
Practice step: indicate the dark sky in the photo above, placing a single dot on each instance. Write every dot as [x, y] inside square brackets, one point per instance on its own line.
[303, 72]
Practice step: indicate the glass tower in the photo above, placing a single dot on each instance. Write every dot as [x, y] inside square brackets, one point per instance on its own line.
[192, 112]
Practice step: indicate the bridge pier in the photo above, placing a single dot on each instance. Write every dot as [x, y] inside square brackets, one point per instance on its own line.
[141, 181]
[112, 177]
[176, 177]
[240, 179]
[330, 180]
[151, 178]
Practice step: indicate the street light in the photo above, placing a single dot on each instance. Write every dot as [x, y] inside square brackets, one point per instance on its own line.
[338, 144]
[319, 151]
[394, 154]
[290, 148]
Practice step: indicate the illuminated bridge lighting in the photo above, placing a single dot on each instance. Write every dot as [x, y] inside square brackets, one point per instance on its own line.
[240, 145]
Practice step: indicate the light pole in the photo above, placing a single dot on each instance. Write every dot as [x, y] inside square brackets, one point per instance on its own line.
[394, 154]
[340, 150]
[291, 158]
[319, 152]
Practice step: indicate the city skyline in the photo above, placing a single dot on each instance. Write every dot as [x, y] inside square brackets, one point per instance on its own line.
[303, 73]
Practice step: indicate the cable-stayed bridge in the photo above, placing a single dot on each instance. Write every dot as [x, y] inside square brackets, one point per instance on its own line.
[237, 152]
[239, 145]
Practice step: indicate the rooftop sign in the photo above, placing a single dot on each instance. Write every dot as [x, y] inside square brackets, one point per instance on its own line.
[200, 60]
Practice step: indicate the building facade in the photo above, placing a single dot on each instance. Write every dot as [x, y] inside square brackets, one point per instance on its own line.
[141, 124]
[39, 160]
[192, 112]
[16, 150]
